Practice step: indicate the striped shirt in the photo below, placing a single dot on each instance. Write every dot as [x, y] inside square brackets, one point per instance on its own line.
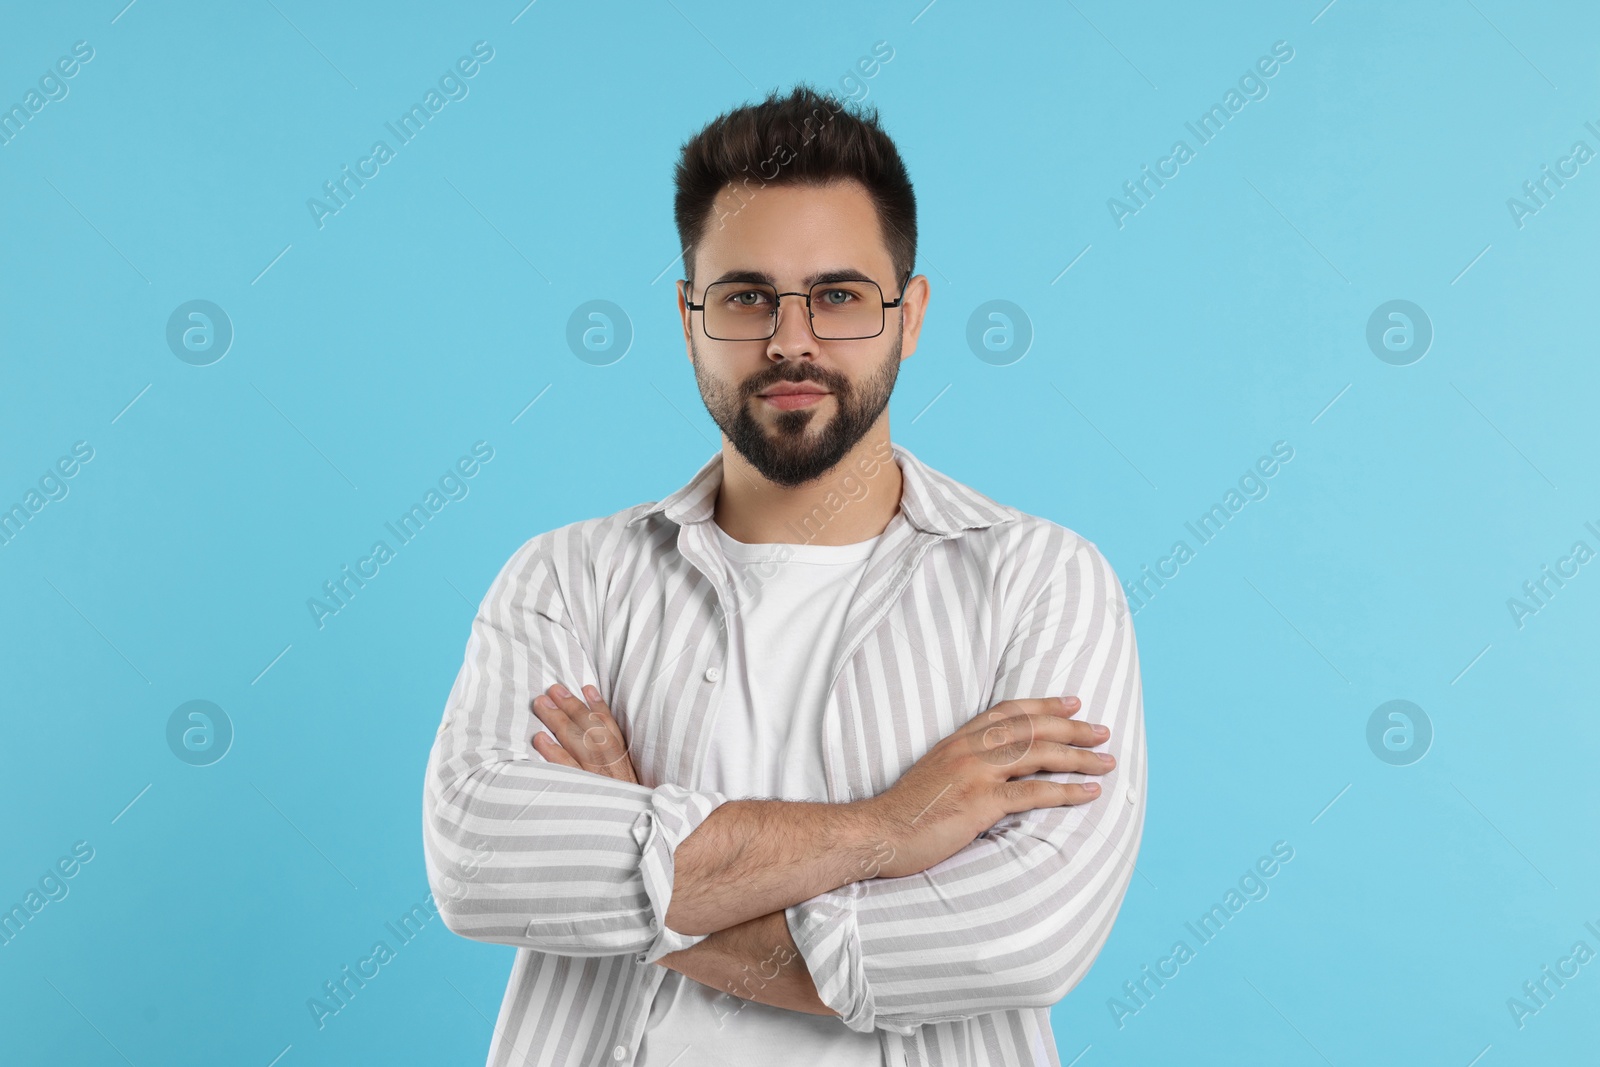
[964, 603]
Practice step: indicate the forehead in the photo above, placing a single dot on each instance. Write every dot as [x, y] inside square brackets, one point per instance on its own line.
[792, 230]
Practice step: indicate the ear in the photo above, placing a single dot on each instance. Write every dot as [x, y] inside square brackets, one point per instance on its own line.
[912, 310]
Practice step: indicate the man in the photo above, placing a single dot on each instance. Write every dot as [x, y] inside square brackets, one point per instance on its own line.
[892, 660]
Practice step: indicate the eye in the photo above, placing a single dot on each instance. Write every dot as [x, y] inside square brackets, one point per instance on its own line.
[757, 297]
[837, 297]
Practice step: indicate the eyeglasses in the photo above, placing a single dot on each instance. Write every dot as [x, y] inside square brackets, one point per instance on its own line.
[839, 311]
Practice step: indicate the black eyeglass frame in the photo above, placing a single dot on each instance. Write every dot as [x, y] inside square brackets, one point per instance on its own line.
[811, 316]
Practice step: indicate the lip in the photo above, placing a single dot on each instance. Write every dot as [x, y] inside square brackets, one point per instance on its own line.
[790, 395]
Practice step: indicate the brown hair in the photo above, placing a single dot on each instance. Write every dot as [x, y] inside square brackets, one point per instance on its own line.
[803, 138]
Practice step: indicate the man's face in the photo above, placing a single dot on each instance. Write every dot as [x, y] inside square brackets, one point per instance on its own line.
[793, 233]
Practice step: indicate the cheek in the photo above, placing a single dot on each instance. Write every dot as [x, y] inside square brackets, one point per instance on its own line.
[724, 375]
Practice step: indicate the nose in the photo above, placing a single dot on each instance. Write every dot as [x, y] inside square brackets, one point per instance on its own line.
[793, 335]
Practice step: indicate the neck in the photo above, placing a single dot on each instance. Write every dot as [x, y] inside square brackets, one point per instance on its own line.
[852, 502]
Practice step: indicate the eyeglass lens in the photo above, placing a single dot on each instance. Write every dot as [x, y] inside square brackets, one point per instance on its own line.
[743, 311]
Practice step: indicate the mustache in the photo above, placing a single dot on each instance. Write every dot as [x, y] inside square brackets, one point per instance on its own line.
[794, 373]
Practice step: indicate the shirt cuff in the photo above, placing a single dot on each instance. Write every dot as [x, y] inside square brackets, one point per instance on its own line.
[828, 936]
[673, 814]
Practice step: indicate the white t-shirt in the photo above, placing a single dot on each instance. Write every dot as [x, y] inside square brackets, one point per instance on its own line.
[767, 743]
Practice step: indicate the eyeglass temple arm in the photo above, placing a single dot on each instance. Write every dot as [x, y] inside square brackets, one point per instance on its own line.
[896, 302]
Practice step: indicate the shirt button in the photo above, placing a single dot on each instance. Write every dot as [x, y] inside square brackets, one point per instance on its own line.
[712, 674]
[655, 924]
[619, 1053]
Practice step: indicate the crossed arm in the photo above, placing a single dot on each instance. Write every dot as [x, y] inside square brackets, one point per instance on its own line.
[746, 856]
[755, 960]
[525, 850]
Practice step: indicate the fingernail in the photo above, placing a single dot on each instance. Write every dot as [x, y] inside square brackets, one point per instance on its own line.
[543, 702]
[1070, 702]
[1105, 757]
[1100, 731]
[591, 692]
[1091, 787]
[561, 691]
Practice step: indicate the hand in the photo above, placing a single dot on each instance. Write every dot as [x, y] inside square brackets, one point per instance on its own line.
[962, 786]
[586, 736]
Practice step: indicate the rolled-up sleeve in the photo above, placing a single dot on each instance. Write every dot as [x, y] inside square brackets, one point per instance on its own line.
[1016, 918]
[521, 851]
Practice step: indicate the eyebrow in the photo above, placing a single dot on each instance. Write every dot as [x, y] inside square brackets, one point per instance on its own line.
[837, 274]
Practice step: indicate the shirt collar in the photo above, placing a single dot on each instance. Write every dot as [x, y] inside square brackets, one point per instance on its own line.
[931, 501]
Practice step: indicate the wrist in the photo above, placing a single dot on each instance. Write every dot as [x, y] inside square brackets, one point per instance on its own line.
[862, 843]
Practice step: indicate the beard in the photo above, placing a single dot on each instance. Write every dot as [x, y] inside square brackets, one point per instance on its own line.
[791, 454]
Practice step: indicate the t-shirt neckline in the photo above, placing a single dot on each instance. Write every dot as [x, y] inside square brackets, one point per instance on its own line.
[784, 552]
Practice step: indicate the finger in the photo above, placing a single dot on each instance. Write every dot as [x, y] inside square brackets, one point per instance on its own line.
[616, 753]
[563, 699]
[1003, 741]
[584, 716]
[592, 749]
[1026, 755]
[1069, 731]
[1059, 707]
[547, 747]
[595, 738]
[1042, 752]
[549, 711]
[1050, 718]
[1065, 705]
[599, 713]
[1055, 756]
[557, 720]
[1034, 793]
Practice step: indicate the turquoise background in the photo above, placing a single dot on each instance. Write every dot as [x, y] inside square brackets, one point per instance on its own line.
[1228, 314]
